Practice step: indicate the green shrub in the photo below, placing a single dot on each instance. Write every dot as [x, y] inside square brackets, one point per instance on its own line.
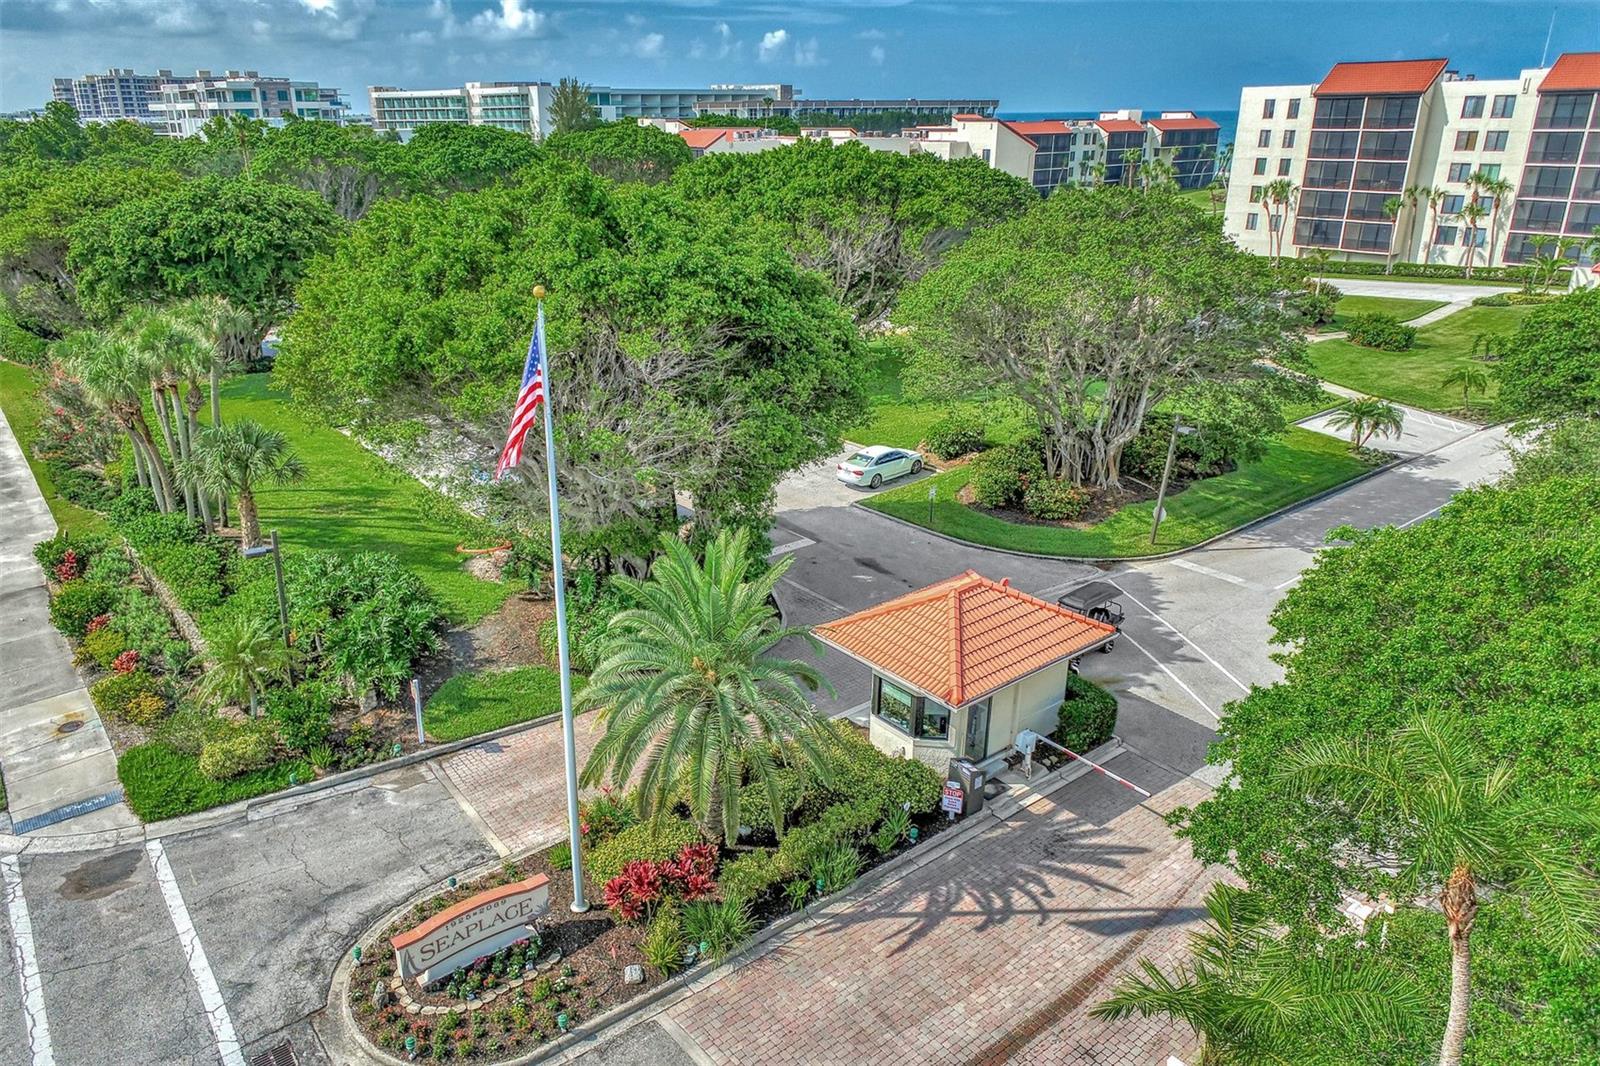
[145, 709]
[1087, 716]
[1001, 475]
[149, 531]
[604, 815]
[560, 857]
[955, 435]
[716, 927]
[142, 619]
[1318, 305]
[102, 646]
[656, 840]
[239, 751]
[750, 876]
[88, 546]
[194, 571]
[77, 604]
[134, 503]
[755, 803]
[374, 616]
[110, 568]
[304, 714]
[834, 868]
[664, 941]
[82, 487]
[864, 776]
[159, 781]
[844, 824]
[1384, 332]
[1054, 499]
[1516, 299]
[114, 694]
[894, 829]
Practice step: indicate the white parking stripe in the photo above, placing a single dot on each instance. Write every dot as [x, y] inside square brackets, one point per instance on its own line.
[1232, 579]
[1426, 514]
[1179, 634]
[33, 1016]
[1169, 673]
[792, 546]
[210, 994]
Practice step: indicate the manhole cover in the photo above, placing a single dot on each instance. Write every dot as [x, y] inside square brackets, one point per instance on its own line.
[282, 1055]
[69, 727]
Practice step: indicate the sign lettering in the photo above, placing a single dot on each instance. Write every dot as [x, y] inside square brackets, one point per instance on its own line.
[477, 926]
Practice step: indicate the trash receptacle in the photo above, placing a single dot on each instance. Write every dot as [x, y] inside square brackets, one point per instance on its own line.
[970, 779]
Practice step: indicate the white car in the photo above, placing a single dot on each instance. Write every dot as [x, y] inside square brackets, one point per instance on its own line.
[875, 465]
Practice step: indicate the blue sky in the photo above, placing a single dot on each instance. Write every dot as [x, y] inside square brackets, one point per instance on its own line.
[1033, 55]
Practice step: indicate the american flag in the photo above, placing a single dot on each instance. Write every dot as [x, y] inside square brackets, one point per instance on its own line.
[528, 400]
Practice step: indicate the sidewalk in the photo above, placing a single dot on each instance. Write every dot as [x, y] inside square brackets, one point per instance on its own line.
[60, 772]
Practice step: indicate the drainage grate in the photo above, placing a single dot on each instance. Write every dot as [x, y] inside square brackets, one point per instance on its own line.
[71, 810]
[70, 727]
[282, 1055]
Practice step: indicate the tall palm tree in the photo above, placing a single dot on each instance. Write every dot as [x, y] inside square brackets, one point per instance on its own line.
[1130, 165]
[237, 458]
[1427, 796]
[1366, 417]
[1469, 378]
[1252, 998]
[1499, 192]
[1279, 197]
[115, 373]
[247, 654]
[1473, 214]
[1434, 195]
[231, 331]
[691, 696]
[175, 352]
[1391, 211]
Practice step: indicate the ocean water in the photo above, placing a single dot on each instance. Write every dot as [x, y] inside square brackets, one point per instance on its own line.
[1228, 120]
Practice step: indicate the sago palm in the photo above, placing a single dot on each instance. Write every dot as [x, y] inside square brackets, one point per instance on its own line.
[234, 459]
[247, 654]
[1252, 998]
[1450, 819]
[690, 694]
[1366, 417]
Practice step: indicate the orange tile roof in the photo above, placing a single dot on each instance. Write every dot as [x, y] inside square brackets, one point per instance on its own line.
[963, 638]
[1170, 124]
[971, 118]
[1573, 70]
[1387, 76]
[1049, 125]
[1119, 125]
[704, 136]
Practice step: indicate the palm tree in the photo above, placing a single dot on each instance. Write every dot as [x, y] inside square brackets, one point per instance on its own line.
[247, 653]
[233, 460]
[230, 330]
[570, 108]
[1252, 998]
[1366, 417]
[1130, 165]
[690, 695]
[1316, 260]
[1434, 195]
[115, 374]
[1499, 192]
[175, 351]
[1391, 211]
[1469, 378]
[1427, 796]
[1473, 214]
[1279, 197]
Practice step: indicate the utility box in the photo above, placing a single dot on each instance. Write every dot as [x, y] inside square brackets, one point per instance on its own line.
[970, 779]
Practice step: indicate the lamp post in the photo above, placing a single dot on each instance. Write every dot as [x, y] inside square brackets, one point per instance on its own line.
[271, 549]
[1178, 429]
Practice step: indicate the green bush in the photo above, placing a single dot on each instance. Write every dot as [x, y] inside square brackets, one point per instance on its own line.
[82, 487]
[239, 751]
[755, 804]
[955, 435]
[149, 531]
[133, 503]
[193, 571]
[1384, 332]
[77, 604]
[716, 927]
[159, 781]
[1438, 270]
[1317, 305]
[114, 695]
[1001, 475]
[1054, 499]
[834, 868]
[664, 942]
[109, 568]
[1516, 299]
[1087, 716]
[145, 709]
[750, 876]
[142, 619]
[88, 547]
[656, 840]
[862, 775]
[469, 704]
[560, 857]
[103, 646]
[844, 824]
[304, 714]
[894, 829]
[374, 616]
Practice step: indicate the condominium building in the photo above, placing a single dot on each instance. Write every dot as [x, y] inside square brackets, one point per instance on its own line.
[118, 94]
[520, 106]
[1356, 146]
[187, 104]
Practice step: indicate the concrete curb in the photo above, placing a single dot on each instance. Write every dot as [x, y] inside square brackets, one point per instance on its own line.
[669, 993]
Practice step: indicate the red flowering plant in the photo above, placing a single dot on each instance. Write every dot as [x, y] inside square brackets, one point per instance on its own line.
[126, 663]
[69, 568]
[643, 884]
[98, 622]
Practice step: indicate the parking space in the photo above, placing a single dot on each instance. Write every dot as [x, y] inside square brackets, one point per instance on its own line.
[1421, 432]
[818, 485]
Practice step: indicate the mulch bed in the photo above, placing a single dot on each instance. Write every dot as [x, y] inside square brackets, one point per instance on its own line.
[1102, 504]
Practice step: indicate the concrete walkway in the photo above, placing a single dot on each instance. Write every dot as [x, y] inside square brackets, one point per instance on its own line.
[57, 760]
[1455, 297]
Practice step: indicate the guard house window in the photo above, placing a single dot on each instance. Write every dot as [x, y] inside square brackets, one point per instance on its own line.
[895, 705]
[1268, 107]
[934, 721]
[1264, 139]
[1294, 108]
[1504, 106]
[1472, 107]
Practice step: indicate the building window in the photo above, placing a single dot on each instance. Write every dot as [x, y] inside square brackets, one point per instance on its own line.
[1539, 215]
[895, 705]
[1504, 106]
[1466, 140]
[1563, 111]
[1392, 112]
[1327, 174]
[283, 94]
[1268, 107]
[1452, 204]
[986, 155]
[934, 721]
[1294, 108]
[1472, 107]
[1459, 171]
[1288, 136]
[1386, 144]
[1334, 144]
[1283, 168]
[1261, 165]
[1555, 147]
[1252, 220]
[1255, 194]
[1445, 235]
[1495, 141]
[1552, 182]
[1338, 112]
[1490, 170]
[243, 96]
[1264, 139]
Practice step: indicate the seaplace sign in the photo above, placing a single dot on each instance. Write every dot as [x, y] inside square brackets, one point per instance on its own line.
[477, 926]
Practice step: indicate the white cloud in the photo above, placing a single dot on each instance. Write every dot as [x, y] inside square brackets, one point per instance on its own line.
[771, 43]
[876, 54]
[321, 7]
[725, 36]
[872, 35]
[805, 53]
[649, 46]
[511, 20]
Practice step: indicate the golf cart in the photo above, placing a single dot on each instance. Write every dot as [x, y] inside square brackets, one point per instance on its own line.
[1096, 600]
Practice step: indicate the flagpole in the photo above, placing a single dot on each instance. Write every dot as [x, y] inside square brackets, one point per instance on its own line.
[558, 578]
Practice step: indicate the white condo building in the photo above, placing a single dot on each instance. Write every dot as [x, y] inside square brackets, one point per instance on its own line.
[184, 105]
[118, 94]
[1353, 145]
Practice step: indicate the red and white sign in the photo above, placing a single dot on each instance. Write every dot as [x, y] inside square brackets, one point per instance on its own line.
[479, 925]
[952, 799]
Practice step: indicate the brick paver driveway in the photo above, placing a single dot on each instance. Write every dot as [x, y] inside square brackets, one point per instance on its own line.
[993, 952]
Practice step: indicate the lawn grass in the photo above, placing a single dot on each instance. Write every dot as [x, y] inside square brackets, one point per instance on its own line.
[159, 781]
[351, 500]
[898, 422]
[19, 398]
[1404, 310]
[1299, 464]
[469, 704]
[1334, 276]
[1416, 377]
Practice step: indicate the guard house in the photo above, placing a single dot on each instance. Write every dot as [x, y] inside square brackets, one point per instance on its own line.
[958, 668]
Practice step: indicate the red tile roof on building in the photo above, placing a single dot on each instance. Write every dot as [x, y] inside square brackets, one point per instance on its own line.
[1573, 71]
[1119, 125]
[971, 118]
[1168, 125]
[964, 638]
[1049, 125]
[1401, 76]
[705, 136]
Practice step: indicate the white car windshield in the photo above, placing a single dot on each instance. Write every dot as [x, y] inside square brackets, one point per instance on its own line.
[861, 459]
